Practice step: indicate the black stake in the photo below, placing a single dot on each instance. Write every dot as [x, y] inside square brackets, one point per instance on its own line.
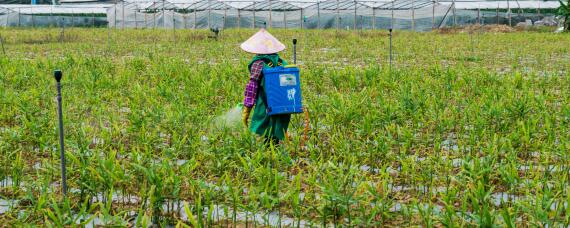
[295, 51]
[2, 42]
[390, 49]
[57, 74]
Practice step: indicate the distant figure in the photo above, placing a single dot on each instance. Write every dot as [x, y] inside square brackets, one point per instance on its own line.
[265, 47]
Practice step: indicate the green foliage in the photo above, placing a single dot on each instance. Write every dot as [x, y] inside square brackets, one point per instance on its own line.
[465, 130]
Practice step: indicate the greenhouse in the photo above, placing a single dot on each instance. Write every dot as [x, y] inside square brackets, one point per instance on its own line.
[417, 15]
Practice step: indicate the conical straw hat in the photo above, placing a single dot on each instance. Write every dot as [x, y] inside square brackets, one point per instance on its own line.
[262, 43]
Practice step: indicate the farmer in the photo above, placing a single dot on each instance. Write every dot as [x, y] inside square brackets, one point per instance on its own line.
[265, 47]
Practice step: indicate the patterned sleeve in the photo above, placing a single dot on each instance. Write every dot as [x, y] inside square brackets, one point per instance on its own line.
[253, 84]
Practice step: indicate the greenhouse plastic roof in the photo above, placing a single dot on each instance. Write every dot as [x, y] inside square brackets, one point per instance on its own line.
[59, 9]
[505, 4]
[275, 5]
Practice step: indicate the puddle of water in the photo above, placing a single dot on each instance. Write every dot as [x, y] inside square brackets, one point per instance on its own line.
[272, 218]
[7, 205]
[499, 198]
[117, 198]
[541, 168]
[8, 182]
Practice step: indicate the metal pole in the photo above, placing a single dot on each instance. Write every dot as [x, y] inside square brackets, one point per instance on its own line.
[2, 42]
[497, 14]
[413, 16]
[509, 12]
[538, 9]
[195, 19]
[270, 15]
[454, 16]
[253, 24]
[136, 21]
[284, 19]
[337, 16]
[239, 19]
[33, 21]
[302, 19]
[295, 51]
[123, 15]
[209, 13]
[318, 16]
[433, 15]
[478, 15]
[163, 16]
[355, 17]
[390, 49]
[58, 75]
[373, 18]
[392, 19]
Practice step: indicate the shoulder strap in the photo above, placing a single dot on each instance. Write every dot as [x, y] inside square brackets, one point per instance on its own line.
[270, 64]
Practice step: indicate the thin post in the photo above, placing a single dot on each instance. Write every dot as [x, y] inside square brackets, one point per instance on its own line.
[413, 16]
[390, 49]
[136, 21]
[538, 9]
[58, 75]
[392, 19]
[145, 20]
[32, 13]
[355, 17]
[2, 42]
[225, 16]
[433, 15]
[509, 12]
[163, 16]
[239, 18]
[478, 15]
[109, 37]
[195, 18]
[295, 51]
[270, 14]
[209, 13]
[123, 16]
[19, 12]
[184, 17]
[318, 16]
[337, 15]
[497, 14]
[373, 18]
[302, 19]
[115, 16]
[253, 24]
[454, 15]
[93, 18]
[284, 19]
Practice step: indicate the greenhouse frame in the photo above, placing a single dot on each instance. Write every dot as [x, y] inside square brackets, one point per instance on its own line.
[417, 15]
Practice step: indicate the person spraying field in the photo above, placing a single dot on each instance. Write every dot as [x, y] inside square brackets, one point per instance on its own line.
[273, 91]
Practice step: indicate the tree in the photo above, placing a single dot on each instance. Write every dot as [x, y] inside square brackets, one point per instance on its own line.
[564, 11]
